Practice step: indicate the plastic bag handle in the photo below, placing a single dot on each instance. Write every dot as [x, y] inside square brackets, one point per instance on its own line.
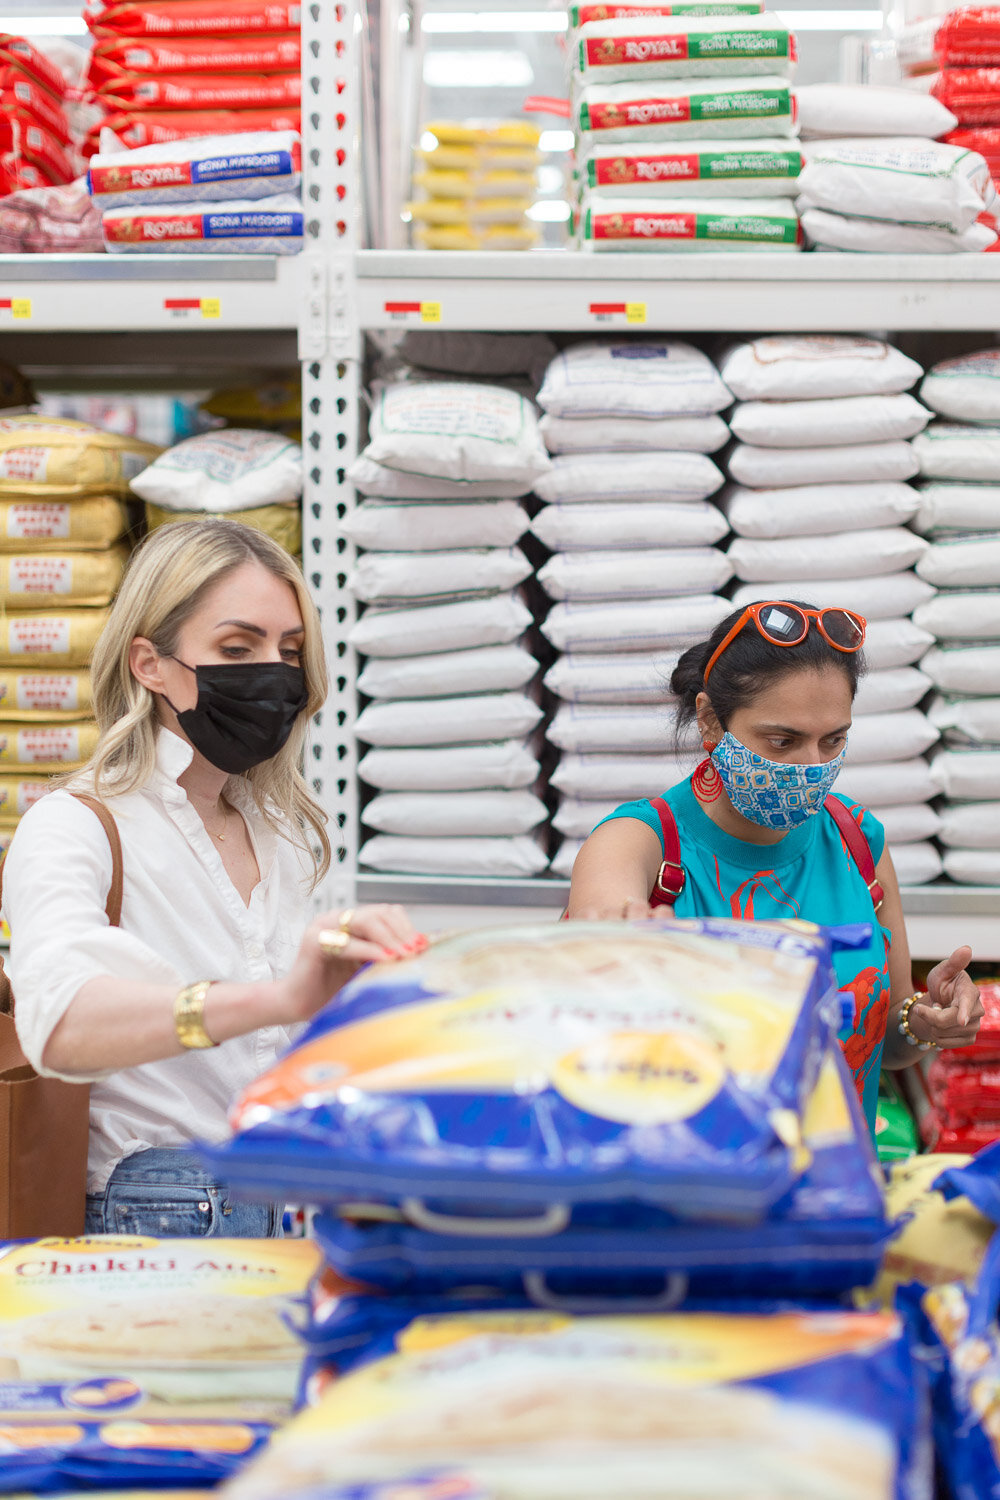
[539, 1293]
[553, 1221]
[983, 1302]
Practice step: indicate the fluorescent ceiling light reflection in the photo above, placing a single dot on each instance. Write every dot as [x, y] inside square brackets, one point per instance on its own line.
[455, 22]
[556, 140]
[550, 211]
[477, 70]
[28, 25]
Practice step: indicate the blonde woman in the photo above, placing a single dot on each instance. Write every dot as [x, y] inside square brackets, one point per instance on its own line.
[204, 681]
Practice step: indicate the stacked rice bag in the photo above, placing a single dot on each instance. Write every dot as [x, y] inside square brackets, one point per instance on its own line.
[475, 184]
[820, 504]
[50, 220]
[957, 1094]
[955, 57]
[224, 195]
[452, 716]
[635, 573]
[35, 142]
[173, 69]
[62, 555]
[960, 514]
[682, 115]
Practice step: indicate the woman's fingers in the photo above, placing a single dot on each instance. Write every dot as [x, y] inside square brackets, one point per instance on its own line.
[386, 929]
[946, 1027]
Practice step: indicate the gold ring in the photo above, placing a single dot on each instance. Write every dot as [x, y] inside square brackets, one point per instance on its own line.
[333, 943]
[346, 918]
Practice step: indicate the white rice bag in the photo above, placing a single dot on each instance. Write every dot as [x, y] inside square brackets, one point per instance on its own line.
[199, 169]
[849, 463]
[970, 825]
[583, 11]
[961, 616]
[484, 669]
[908, 822]
[577, 820]
[504, 763]
[694, 169]
[969, 668]
[916, 864]
[882, 783]
[712, 46]
[621, 778]
[973, 866]
[884, 549]
[576, 528]
[889, 690]
[396, 526]
[667, 110]
[639, 625]
[231, 469]
[811, 510]
[830, 231]
[390, 576]
[652, 379]
[972, 775]
[882, 598]
[494, 621]
[825, 423]
[265, 226]
[683, 225]
[458, 430]
[947, 507]
[966, 389]
[633, 434]
[894, 643]
[971, 560]
[596, 728]
[798, 366]
[647, 574]
[966, 721]
[673, 477]
[906, 180]
[483, 814]
[447, 721]
[890, 737]
[477, 857]
[832, 111]
[612, 677]
[948, 451]
[393, 484]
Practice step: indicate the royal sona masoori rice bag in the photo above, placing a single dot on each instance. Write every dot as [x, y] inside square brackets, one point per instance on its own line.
[825, 1236]
[533, 1069]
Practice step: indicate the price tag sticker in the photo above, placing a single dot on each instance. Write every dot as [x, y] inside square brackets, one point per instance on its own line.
[183, 307]
[414, 312]
[618, 312]
[18, 307]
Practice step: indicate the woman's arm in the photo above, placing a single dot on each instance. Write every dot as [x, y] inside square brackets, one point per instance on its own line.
[615, 872]
[115, 1023]
[952, 1013]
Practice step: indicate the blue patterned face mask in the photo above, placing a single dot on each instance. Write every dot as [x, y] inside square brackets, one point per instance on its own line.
[774, 794]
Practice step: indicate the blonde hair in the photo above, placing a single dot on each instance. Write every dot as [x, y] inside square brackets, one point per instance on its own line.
[167, 578]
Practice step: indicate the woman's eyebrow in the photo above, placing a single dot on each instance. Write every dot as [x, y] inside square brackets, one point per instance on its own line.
[258, 630]
[797, 733]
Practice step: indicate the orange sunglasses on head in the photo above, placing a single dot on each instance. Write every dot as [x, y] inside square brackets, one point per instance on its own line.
[788, 625]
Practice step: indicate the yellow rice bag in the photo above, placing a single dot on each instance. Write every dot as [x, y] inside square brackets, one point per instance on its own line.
[51, 638]
[45, 697]
[271, 405]
[58, 458]
[476, 184]
[50, 747]
[470, 212]
[61, 525]
[464, 237]
[282, 522]
[505, 133]
[18, 793]
[40, 579]
[480, 158]
[939, 1241]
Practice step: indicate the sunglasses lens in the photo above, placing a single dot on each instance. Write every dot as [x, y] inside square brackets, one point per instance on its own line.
[783, 624]
[842, 629]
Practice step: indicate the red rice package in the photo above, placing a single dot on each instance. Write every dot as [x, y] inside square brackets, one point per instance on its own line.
[141, 127]
[170, 18]
[201, 91]
[968, 36]
[22, 93]
[938, 1134]
[972, 94]
[254, 54]
[16, 51]
[33, 144]
[984, 139]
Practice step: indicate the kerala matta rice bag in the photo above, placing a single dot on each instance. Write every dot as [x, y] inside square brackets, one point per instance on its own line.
[35, 580]
[544, 1406]
[50, 638]
[554, 1066]
[276, 404]
[59, 458]
[45, 697]
[18, 793]
[61, 525]
[54, 747]
[283, 523]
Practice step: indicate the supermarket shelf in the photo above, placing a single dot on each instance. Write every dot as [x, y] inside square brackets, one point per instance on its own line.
[576, 291]
[119, 293]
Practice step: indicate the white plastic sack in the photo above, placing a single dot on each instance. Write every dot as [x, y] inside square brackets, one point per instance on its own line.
[640, 625]
[461, 856]
[971, 775]
[966, 721]
[493, 621]
[973, 866]
[833, 111]
[966, 389]
[676, 225]
[392, 576]
[504, 763]
[816, 509]
[461, 431]
[203, 169]
[565, 858]
[633, 434]
[849, 463]
[882, 598]
[948, 451]
[885, 783]
[234, 468]
[402, 723]
[970, 825]
[235, 226]
[392, 484]
[908, 822]
[916, 864]
[621, 777]
[963, 562]
[649, 378]
[675, 477]
[890, 737]
[595, 729]
[486, 669]
[616, 677]
[882, 550]
[891, 689]
[709, 46]
[894, 643]
[946, 507]
[957, 616]
[803, 366]
[830, 231]
[973, 669]
[909, 181]
[395, 526]
[650, 574]
[485, 814]
[694, 169]
[577, 820]
[685, 110]
[575, 528]
[828, 423]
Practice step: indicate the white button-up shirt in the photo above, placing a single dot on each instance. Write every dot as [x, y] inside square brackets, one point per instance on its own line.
[182, 920]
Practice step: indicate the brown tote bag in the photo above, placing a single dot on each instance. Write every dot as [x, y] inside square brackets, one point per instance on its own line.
[44, 1122]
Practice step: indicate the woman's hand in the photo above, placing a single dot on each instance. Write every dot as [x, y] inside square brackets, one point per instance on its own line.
[335, 947]
[952, 1013]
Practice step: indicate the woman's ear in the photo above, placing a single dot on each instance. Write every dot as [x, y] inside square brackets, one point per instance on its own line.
[145, 664]
[708, 722]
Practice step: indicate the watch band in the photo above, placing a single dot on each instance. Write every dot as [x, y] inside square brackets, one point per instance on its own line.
[189, 1015]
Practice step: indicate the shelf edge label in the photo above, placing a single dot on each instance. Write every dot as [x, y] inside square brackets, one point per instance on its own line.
[605, 312]
[18, 307]
[427, 312]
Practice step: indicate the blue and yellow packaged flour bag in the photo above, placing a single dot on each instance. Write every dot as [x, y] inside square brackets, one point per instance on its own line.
[536, 1068]
[541, 1406]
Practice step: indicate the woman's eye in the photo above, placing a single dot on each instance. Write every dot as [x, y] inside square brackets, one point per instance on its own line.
[235, 652]
[292, 654]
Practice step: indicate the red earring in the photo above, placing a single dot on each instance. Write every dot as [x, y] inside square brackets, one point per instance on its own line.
[706, 783]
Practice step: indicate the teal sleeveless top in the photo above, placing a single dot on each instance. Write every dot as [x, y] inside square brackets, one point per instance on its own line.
[809, 874]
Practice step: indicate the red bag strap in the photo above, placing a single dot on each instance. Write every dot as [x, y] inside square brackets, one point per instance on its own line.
[670, 880]
[858, 847]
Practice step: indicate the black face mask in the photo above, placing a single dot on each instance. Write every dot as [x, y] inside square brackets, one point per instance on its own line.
[245, 711]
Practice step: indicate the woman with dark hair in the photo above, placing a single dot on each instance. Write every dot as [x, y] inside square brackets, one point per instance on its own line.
[757, 832]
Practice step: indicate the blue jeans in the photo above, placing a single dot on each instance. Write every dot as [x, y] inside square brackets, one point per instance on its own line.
[165, 1193]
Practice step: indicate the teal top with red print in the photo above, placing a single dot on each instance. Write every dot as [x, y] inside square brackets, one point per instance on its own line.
[809, 874]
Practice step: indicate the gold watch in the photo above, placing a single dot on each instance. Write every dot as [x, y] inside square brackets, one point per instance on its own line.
[189, 1015]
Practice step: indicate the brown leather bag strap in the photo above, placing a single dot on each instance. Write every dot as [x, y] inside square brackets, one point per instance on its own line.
[113, 906]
